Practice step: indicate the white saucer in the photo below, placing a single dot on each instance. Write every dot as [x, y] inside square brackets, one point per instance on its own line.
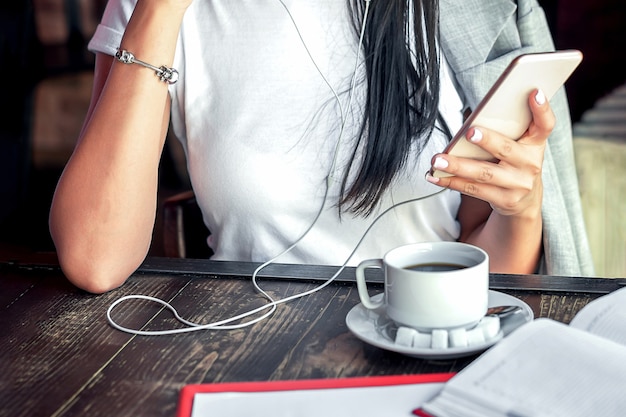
[371, 326]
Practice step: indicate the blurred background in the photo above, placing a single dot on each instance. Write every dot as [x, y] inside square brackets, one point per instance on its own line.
[46, 74]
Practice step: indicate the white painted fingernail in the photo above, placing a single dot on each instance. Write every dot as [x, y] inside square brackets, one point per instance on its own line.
[476, 136]
[431, 179]
[440, 163]
[540, 97]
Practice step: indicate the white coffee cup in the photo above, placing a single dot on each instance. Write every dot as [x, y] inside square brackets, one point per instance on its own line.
[431, 299]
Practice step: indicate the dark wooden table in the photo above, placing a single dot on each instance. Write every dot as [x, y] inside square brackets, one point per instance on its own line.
[60, 357]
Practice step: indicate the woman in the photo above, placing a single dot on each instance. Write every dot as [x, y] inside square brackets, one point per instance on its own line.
[290, 139]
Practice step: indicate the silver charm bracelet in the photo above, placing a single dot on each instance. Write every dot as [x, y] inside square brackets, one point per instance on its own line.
[165, 74]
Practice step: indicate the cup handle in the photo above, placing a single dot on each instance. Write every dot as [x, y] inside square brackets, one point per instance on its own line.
[361, 285]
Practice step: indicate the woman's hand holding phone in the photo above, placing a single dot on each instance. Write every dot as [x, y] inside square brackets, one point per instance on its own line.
[497, 154]
[511, 184]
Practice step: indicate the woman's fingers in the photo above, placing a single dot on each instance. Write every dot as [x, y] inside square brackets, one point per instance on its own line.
[543, 121]
[512, 181]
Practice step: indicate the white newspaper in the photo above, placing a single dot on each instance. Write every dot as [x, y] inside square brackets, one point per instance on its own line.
[546, 368]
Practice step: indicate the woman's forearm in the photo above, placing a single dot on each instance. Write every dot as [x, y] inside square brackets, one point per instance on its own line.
[104, 207]
[501, 200]
[513, 243]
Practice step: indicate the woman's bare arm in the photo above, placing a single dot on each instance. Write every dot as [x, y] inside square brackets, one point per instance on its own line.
[104, 207]
[501, 203]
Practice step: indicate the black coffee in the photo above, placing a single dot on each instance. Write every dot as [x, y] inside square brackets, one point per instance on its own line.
[435, 267]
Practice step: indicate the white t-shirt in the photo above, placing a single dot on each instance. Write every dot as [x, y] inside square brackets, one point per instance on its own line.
[260, 125]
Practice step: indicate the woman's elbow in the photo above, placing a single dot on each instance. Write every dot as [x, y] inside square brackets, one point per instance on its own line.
[92, 265]
[92, 277]
[96, 275]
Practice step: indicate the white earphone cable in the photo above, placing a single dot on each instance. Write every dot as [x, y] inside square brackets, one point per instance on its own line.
[272, 304]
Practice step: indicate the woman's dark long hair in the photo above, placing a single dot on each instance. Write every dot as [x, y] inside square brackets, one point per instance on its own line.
[401, 107]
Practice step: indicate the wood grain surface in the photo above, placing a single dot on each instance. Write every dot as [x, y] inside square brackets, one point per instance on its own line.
[60, 357]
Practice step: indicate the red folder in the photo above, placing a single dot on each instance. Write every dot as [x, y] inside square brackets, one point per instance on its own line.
[189, 392]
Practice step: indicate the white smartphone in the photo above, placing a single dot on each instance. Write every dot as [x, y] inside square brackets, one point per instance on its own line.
[505, 107]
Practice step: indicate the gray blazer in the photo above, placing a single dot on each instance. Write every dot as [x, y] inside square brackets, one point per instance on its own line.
[479, 39]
